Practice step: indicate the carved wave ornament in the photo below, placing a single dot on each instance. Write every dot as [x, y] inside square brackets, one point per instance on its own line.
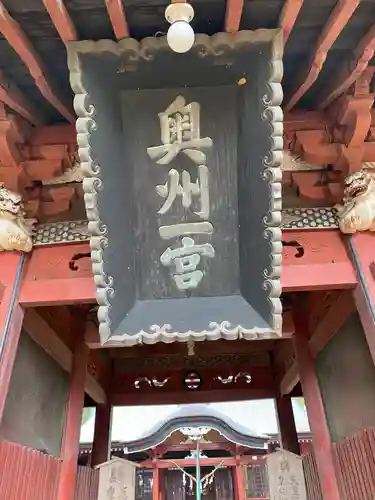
[232, 379]
[130, 51]
[154, 382]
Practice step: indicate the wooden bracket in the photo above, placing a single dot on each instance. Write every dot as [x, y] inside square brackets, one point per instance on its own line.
[353, 118]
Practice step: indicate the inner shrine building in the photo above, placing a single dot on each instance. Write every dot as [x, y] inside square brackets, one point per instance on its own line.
[187, 216]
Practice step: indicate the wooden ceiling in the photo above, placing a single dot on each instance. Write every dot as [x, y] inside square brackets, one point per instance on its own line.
[328, 44]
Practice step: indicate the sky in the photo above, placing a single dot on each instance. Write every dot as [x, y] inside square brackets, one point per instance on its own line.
[131, 422]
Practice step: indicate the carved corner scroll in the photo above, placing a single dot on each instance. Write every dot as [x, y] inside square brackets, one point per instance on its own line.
[131, 51]
[273, 173]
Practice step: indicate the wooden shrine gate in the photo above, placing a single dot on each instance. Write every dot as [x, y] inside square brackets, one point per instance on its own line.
[186, 228]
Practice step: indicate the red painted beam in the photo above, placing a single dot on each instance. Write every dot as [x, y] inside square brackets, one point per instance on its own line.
[233, 15]
[337, 21]
[14, 35]
[289, 16]
[17, 101]
[325, 264]
[348, 74]
[190, 397]
[61, 19]
[116, 14]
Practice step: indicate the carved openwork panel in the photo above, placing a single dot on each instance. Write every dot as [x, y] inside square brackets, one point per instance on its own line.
[181, 156]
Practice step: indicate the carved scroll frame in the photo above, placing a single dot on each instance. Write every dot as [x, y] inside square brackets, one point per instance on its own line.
[92, 183]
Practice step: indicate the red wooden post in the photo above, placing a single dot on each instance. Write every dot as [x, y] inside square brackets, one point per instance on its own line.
[287, 425]
[315, 409]
[162, 492]
[101, 447]
[156, 484]
[11, 318]
[70, 444]
[238, 481]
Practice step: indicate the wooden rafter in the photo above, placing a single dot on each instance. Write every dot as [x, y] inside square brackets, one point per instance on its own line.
[288, 16]
[15, 100]
[61, 19]
[336, 23]
[349, 73]
[233, 15]
[19, 42]
[118, 19]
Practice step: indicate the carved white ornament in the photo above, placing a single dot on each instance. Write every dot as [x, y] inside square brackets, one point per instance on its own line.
[195, 432]
[172, 188]
[15, 231]
[180, 132]
[185, 261]
[154, 382]
[358, 211]
[72, 174]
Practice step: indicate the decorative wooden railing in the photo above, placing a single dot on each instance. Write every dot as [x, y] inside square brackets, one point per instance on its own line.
[355, 463]
[355, 468]
[27, 474]
[312, 481]
[87, 484]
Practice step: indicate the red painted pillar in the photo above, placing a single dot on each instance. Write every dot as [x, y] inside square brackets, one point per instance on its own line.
[162, 494]
[315, 409]
[238, 481]
[101, 447]
[70, 444]
[287, 425]
[156, 483]
[11, 318]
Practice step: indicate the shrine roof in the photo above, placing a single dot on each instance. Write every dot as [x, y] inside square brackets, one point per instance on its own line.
[193, 416]
[328, 44]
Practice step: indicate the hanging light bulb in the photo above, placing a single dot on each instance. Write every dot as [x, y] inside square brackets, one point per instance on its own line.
[180, 36]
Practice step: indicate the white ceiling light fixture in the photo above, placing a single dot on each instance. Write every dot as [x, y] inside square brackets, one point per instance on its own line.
[180, 35]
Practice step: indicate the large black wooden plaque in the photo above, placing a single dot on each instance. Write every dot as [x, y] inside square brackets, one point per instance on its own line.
[182, 155]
